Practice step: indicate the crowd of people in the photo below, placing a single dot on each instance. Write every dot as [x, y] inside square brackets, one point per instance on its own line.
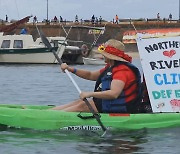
[93, 19]
[169, 17]
[99, 20]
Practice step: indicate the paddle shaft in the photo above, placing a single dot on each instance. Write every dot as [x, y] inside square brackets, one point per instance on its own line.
[67, 72]
[96, 115]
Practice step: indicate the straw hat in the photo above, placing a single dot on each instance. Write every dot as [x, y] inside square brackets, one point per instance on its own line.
[114, 49]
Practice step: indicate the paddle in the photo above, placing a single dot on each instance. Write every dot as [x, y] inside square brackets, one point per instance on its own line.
[96, 115]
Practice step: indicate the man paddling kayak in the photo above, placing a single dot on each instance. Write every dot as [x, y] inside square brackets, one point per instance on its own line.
[117, 88]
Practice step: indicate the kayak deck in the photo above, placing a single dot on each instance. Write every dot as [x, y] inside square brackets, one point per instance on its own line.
[40, 117]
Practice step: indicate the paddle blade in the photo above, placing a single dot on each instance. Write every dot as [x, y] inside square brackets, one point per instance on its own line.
[45, 40]
[48, 44]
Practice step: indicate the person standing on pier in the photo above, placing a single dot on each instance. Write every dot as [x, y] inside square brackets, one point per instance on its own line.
[170, 17]
[116, 19]
[158, 17]
[6, 18]
[76, 18]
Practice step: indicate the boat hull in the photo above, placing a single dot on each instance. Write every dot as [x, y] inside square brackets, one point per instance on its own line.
[33, 55]
[43, 118]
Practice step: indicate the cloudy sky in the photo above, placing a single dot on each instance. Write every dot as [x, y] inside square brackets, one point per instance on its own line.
[17, 9]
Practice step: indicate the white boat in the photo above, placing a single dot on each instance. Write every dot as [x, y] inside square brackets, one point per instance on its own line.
[23, 49]
[94, 58]
[93, 61]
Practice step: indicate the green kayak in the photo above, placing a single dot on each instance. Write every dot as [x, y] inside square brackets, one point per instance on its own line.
[41, 118]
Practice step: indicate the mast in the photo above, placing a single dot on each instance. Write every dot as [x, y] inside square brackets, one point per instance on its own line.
[47, 11]
[179, 10]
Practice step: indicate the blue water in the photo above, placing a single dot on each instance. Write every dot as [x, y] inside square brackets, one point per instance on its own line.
[47, 85]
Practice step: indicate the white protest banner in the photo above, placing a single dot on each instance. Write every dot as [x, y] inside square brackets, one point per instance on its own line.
[160, 59]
